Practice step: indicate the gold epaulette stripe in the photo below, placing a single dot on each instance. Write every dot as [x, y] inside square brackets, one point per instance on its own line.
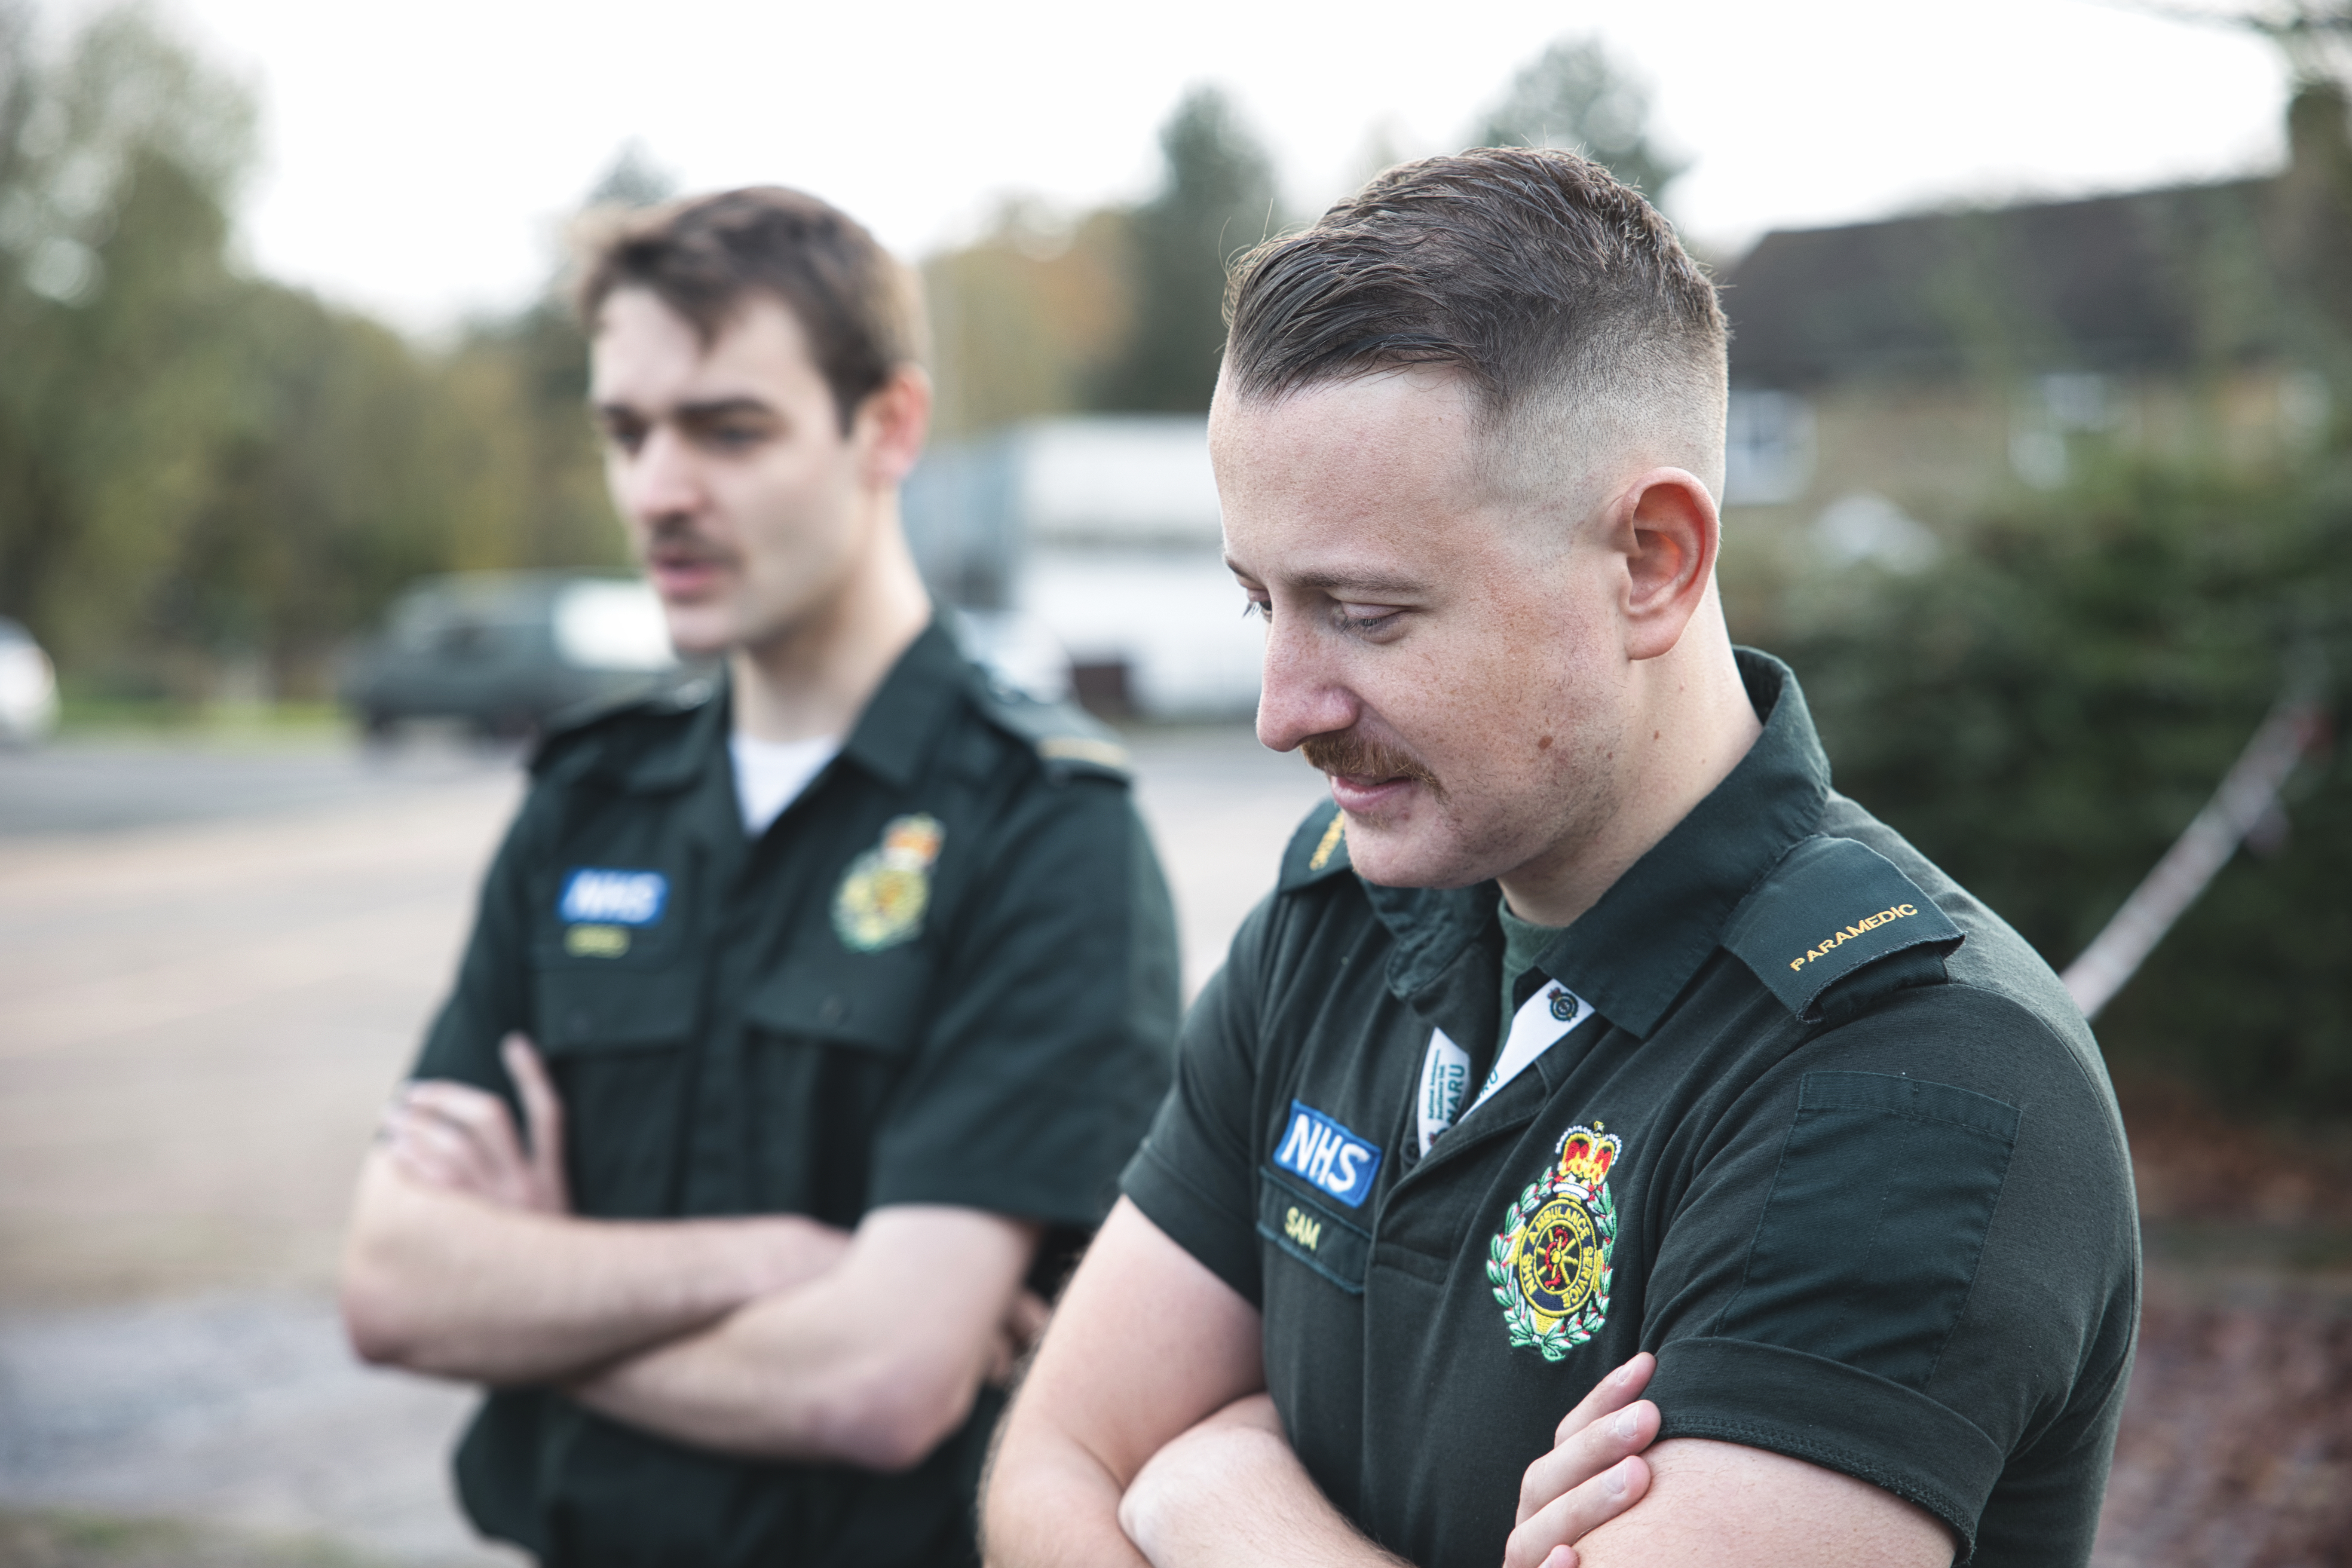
[1331, 836]
[1082, 749]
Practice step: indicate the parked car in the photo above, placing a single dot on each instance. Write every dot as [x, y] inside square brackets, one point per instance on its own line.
[28, 686]
[505, 651]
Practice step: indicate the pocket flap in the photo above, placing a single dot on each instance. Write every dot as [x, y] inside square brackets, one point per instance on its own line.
[581, 1009]
[1313, 1233]
[872, 1000]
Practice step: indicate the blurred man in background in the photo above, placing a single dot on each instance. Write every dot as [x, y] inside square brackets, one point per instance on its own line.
[1591, 1043]
[809, 1013]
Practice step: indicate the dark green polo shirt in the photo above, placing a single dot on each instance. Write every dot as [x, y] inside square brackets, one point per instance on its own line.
[945, 974]
[1824, 1134]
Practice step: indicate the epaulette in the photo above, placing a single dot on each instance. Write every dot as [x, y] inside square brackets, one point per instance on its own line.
[1318, 849]
[568, 730]
[1831, 908]
[1070, 742]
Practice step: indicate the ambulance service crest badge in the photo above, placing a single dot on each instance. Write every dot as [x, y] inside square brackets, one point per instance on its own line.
[886, 890]
[1550, 1264]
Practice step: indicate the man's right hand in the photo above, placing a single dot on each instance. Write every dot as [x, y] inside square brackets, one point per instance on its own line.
[461, 1139]
[465, 1259]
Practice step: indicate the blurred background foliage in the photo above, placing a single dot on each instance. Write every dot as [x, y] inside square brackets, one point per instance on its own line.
[1121, 310]
[209, 480]
[2043, 711]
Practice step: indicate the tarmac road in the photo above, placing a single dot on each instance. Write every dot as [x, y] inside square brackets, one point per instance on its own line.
[213, 966]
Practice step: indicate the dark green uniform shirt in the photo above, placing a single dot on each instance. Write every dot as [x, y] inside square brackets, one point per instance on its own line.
[1807, 1121]
[945, 974]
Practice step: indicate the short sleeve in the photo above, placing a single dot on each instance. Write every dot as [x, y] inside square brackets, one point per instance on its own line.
[489, 998]
[1912, 1258]
[1194, 1176]
[1048, 1046]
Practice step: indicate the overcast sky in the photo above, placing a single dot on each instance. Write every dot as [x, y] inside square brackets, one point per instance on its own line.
[417, 158]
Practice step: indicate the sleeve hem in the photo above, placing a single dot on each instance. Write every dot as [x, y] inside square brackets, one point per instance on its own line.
[1829, 1414]
[1193, 1222]
[1012, 1199]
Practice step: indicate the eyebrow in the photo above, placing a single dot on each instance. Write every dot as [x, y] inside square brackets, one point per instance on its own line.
[691, 413]
[1347, 582]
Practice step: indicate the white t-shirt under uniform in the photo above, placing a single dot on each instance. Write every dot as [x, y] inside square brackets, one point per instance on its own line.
[771, 775]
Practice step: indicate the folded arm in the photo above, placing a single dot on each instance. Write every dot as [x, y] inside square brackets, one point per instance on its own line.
[1145, 1343]
[1691, 1502]
[774, 1336]
[873, 1362]
[1141, 1433]
[462, 1260]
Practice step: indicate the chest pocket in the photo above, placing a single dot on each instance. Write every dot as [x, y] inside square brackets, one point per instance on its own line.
[607, 952]
[868, 1003]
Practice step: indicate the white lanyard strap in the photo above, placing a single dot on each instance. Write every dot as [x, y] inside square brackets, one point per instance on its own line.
[1542, 1021]
[1444, 1083]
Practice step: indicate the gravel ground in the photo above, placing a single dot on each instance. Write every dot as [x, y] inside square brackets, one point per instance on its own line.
[2236, 1451]
[244, 1411]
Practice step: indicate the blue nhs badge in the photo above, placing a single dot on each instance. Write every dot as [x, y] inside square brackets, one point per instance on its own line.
[613, 897]
[1326, 1156]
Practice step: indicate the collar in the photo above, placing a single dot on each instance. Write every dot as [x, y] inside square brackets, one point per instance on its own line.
[1632, 954]
[909, 711]
[890, 738]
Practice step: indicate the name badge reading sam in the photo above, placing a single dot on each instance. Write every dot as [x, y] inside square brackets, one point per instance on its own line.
[1328, 1157]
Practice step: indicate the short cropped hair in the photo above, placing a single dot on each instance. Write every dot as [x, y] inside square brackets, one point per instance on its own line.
[1559, 295]
[706, 257]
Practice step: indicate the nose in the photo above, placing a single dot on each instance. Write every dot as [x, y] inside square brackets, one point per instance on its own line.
[659, 480]
[1304, 694]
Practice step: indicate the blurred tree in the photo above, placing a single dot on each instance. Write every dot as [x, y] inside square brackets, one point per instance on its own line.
[1573, 95]
[536, 496]
[1026, 320]
[2044, 711]
[632, 180]
[202, 470]
[114, 297]
[1216, 198]
[328, 487]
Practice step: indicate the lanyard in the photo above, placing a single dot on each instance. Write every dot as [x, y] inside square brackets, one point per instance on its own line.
[1541, 1022]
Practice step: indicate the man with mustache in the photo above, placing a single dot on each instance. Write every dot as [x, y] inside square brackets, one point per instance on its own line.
[810, 1012]
[1608, 1144]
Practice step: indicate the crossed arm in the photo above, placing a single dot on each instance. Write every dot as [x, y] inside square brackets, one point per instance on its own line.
[1142, 1435]
[772, 1335]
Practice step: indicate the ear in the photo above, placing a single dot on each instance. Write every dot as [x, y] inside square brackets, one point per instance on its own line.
[1669, 532]
[891, 425]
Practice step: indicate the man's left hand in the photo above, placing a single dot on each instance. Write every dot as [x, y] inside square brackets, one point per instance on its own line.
[462, 1139]
[1593, 1474]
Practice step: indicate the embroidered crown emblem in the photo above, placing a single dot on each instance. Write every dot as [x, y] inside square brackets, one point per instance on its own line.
[1550, 1266]
[1587, 1153]
[882, 899]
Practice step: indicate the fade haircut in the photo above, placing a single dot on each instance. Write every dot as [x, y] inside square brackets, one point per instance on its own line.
[1585, 333]
[707, 256]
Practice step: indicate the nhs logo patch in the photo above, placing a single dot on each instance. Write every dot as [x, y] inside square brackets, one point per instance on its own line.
[613, 897]
[1326, 1156]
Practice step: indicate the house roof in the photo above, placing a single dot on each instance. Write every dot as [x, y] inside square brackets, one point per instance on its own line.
[2162, 279]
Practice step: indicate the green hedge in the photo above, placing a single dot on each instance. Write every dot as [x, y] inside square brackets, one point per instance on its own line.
[2044, 710]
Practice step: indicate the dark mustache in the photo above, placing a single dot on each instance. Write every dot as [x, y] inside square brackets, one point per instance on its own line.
[1358, 756]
